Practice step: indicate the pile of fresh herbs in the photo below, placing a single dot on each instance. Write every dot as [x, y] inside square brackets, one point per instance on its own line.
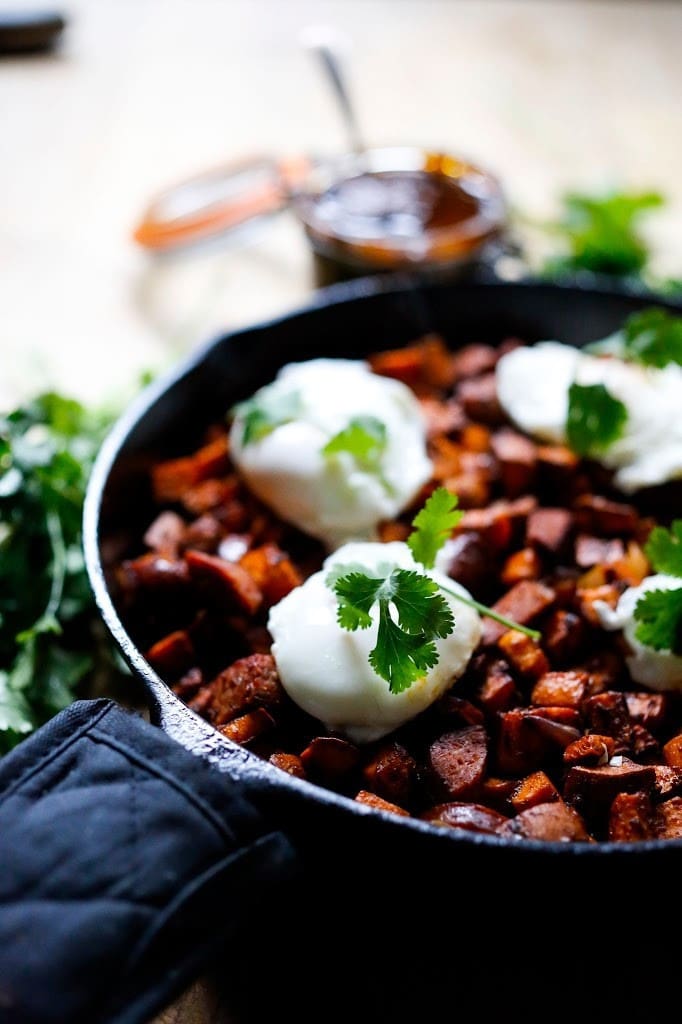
[47, 644]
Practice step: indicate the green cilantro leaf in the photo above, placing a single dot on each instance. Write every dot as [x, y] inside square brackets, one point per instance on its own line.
[664, 548]
[405, 648]
[659, 614]
[433, 524]
[268, 409]
[364, 438]
[601, 233]
[653, 338]
[595, 418]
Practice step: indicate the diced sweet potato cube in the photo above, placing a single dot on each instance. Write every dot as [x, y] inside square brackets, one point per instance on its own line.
[391, 773]
[552, 822]
[391, 531]
[557, 460]
[672, 752]
[607, 714]
[604, 517]
[173, 654]
[469, 817]
[590, 750]
[475, 438]
[446, 457]
[587, 596]
[329, 757]
[472, 486]
[647, 709]
[500, 523]
[631, 818]
[521, 565]
[250, 682]
[249, 726]
[535, 789]
[523, 653]
[633, 566]
[549, 529]
[668, 781]
[473, 360]
[224, 581]
[289, 763]
[166, 534]
[563, 636]
[517, 460]
[520, 749]
[523, 603]
[429, 362]
[478, 396]
[560, 689]
[171, 479]
[593, 790]
[209, 494]
[403, 364]
[372, 800]
[457, 761]
[669, 819]
[497, 692]
[272, 570]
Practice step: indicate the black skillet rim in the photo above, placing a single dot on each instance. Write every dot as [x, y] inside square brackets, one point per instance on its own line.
[202, 738]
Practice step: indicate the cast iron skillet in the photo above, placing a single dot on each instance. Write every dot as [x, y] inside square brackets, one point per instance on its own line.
[169, 417]
[395, 919]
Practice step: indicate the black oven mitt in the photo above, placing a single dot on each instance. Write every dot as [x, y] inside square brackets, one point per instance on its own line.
[125, 863]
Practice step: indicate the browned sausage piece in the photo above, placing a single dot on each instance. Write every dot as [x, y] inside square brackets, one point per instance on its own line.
[523, 603]
[517, 459]
[554, 822]
[469, 817]
[154, 572]
[392, 774]
[672, 752]
[457, 761]
[372, 800]
[593, 790]
[563, 636]
[643, 744]
[668, 781]
[498, 690]
[549, 529]
[607, 714]
[591, 551]
[647, 709]
[329, 757]
[166, 534]
[472, 360]
[478, 395]
[469, 561]
[631, 818]
[535, 789]
[560, 689]
[289, 763]
[224, 581]
[520, 748]
[604, 517]
[249, 682]
[669, 819]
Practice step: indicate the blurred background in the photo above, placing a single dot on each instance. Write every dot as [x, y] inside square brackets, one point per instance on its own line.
[549, 94]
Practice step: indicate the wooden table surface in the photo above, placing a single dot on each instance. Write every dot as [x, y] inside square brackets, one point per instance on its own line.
[142, 92]
[549, 93]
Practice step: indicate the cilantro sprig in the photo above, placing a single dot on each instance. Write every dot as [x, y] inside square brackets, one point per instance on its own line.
[595, 418]
[659, 612]
[265, 411]
[405, 649]
[365, 440]
[413, 613]
[47, 645]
